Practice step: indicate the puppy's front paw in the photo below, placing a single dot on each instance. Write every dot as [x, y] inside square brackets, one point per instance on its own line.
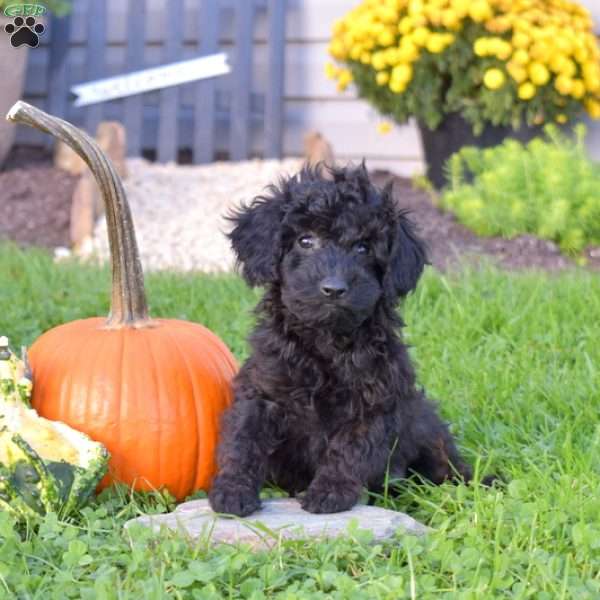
[330, 497]
[233, 498]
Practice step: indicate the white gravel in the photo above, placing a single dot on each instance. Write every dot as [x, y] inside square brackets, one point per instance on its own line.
[179, 211]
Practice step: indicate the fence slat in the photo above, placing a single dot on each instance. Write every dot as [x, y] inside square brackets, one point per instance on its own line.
[57, 65]
[274, 92]
[169, 97]
[96, 47]
[204, 100]
[134, 60]
[58, 83]
[220, 115]
[241, 80]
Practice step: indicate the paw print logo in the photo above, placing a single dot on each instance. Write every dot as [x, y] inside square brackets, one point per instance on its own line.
[24, 31]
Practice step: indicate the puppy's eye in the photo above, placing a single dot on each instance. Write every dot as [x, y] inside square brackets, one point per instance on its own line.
[361, 248]
[307, 242]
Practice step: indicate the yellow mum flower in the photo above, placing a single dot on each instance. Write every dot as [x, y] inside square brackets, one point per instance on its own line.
[593, 85]
[541, 52]
[527, 91]
[355, 52]
[521, 56]
[436, 43]
[415, 6]
[402, 73]
[460, 7]
[516, 71]
[521, 40]
[591, 76]
[419, 20]
[581, 54]
[479, 10]
[388, 15]
[382, 77]
[386, 38]
[384, 127]
[562, 118]
[420, 36]
[563, 44]
[521, 24]
[450, 19]
[502, 49]
[569, 69]
[593, 108]
[494, 79]
[434, 15]
[397, 86]
[331, 71]
[590, 70]
[337, 49]
[408, 51]
[344, 79]
[498, 24]
[405, 26]
[378, 60]
[391, 56]
[578, 91]
[538, 73]
[558, 62]
[449, 38]
[482, 46]
[564, 84]
[339, 25]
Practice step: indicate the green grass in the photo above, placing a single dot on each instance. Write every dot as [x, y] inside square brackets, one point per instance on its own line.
[514, 360]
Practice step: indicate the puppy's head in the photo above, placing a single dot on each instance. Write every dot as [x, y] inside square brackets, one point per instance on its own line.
[334, 248]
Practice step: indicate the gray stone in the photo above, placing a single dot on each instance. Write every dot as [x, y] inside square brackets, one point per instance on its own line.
[318, 153]
[86, 207]
[67, 159]
[112, 138]
[278, 519]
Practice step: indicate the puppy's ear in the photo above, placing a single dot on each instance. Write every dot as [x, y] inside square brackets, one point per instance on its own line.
[407, 258]
[256, 238]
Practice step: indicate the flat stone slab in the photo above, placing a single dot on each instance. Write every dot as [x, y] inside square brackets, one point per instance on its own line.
[277, 519]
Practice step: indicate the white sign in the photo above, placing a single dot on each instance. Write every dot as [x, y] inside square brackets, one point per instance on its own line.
[150, 79]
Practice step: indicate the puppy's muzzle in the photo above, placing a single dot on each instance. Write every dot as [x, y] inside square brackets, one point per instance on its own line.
[333, 288]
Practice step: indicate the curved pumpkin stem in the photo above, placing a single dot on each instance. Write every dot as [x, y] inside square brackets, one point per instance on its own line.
[128, 305]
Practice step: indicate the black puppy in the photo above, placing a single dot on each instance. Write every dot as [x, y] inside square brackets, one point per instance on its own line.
[327, 404]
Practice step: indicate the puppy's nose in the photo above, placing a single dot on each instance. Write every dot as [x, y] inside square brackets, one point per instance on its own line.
[333, 287]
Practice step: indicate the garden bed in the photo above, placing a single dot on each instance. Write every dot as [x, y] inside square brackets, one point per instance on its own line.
[179, 213]
[36, 199]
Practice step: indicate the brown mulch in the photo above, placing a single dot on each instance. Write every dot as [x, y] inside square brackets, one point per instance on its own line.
[35, 202]
[35, 199]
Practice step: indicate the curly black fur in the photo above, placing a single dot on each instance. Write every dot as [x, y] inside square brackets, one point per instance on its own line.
[327, 401]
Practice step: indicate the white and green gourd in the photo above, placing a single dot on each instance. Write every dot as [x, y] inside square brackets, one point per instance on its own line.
[45, 466]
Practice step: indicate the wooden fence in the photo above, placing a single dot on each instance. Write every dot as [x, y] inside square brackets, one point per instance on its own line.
[235, 116]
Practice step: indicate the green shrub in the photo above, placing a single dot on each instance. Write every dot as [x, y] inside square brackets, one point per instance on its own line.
[548, 187]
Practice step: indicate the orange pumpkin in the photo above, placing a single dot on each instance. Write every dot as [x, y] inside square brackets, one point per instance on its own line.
[151, 390]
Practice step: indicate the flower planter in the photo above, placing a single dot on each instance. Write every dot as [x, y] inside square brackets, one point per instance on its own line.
[13, 63]
[497, 62]
[454, 133]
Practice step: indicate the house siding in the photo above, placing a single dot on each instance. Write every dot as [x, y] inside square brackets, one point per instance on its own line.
[310, 99]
